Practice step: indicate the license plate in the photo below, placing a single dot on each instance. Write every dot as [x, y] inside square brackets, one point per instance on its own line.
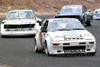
[74, 44]
[75, 51]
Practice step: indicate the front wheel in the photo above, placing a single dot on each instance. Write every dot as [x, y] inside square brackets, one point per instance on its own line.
[36, 47]
[46, 50]
[92, 53]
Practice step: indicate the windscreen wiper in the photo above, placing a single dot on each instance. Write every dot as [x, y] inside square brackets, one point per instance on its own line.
[65, 29]
[78, 29]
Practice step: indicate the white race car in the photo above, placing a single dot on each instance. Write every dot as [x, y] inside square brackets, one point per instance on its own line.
[20, 23]
[64, 36]
[96, 14]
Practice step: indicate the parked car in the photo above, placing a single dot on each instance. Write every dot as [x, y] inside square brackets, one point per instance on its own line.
[19, 23]
[76, 11]
[96, 14]
[64, 36]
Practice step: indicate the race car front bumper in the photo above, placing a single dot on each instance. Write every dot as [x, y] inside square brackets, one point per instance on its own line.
[77, 48]
[18, 33]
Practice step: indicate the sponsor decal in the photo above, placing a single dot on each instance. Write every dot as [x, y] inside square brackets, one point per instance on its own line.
[58, 20]
[13, 12]
[69, 36]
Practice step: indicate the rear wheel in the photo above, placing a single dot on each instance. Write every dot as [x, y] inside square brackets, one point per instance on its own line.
[83, 22]
[88, 24]
[2, 36]
[36, 49]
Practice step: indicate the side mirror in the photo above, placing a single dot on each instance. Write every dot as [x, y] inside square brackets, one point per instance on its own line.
[43, 30]
[39, 21]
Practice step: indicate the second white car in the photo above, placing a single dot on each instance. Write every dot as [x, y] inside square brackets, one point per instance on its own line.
[19, 23]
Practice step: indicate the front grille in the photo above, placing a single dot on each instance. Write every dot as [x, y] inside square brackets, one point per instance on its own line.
[19, 26]
[74, 47]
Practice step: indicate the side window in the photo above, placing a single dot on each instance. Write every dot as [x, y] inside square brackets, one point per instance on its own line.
[44, 26]
[84, 9]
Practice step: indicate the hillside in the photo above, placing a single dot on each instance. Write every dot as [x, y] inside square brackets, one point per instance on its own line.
[45, 6]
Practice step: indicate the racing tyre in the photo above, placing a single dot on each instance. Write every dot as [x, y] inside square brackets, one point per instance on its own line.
[92, 54]
[3, 36]
[83, 22]
[46, 50]
[88, 24]
[36, 47]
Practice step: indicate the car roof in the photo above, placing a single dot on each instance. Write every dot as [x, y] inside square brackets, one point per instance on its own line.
[97, 10]
[62, 19]
[71, 6]
[19, 10]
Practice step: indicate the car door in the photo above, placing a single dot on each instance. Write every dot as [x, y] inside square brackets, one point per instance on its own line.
[44, 31]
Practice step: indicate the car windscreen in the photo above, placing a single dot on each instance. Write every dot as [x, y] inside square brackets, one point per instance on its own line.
[20, 15]
[72, 9]
[97, 12]
[65, 26]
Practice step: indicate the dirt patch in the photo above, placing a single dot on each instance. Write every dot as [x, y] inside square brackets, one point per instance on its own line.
[44, 7]
[4, 65]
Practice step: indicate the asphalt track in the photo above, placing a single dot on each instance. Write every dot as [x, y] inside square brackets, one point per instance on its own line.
[19, 52]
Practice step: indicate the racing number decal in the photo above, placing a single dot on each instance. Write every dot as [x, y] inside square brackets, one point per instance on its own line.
[40, 37]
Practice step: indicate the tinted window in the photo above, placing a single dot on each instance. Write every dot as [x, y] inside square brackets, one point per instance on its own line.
[44, 26]
[84, 9]
[71, 9]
